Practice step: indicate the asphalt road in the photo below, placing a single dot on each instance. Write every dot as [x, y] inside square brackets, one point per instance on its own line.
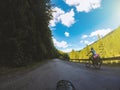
[46, 76]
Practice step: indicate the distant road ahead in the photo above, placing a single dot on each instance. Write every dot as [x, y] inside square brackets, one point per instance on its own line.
[46, 76]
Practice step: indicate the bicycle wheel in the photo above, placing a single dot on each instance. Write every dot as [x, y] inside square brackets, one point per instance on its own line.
[97, 63]
[88, 64]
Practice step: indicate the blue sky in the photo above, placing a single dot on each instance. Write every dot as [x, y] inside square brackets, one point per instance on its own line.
[76, 23]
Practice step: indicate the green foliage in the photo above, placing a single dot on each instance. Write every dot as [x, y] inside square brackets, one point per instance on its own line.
[74, 54]
[24, 33]
[64, 56]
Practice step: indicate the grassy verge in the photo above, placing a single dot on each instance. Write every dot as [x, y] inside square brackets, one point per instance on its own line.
[112, 65]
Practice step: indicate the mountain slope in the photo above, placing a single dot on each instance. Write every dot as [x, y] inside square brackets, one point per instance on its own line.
[108, 46]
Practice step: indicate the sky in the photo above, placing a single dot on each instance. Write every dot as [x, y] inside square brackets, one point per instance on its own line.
[77, 23]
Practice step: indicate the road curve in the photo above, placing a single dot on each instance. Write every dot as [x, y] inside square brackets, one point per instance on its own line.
[46, 76]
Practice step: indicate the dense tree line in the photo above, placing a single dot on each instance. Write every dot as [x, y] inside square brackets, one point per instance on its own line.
[24, 33]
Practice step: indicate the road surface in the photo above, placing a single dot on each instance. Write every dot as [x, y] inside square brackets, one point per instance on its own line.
[46, 76]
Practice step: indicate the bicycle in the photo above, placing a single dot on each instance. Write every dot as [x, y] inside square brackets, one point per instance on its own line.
[95, 60]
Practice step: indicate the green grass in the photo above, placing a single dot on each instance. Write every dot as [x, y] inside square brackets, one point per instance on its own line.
[112, 63]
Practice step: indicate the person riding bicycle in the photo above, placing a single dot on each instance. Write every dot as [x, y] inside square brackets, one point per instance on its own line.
[94, 59]
[93, 53]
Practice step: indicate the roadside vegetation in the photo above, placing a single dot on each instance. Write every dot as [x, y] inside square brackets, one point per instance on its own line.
[64, 56]
[25, 36]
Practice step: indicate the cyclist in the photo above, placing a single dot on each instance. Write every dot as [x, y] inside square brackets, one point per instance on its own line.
[93, 53]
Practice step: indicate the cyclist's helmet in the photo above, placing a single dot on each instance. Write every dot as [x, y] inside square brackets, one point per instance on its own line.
[91, 48]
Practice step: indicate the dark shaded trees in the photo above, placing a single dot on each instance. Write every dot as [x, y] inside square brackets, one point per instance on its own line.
[24, 33]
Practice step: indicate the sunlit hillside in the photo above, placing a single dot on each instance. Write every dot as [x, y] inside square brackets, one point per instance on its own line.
[108, 46]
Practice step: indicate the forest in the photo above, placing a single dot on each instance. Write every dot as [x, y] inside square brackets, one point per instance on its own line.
[25, 36]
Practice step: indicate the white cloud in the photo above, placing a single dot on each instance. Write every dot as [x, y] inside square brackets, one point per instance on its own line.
[90, 42]
[101, 32]
[92, 36]
[84, 5]
[86, 42]
[57, 12]
[61, 44]
[52, 28]
[67, 34]
[67, 50]
[70, 49]
[81, 41]
[66, 18]
[84, 36]
[71, 2]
